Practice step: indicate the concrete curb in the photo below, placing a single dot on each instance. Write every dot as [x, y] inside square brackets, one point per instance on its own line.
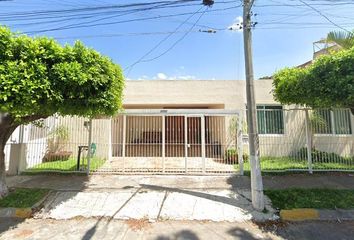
[23, 212]
[300, 214]
[304, 214]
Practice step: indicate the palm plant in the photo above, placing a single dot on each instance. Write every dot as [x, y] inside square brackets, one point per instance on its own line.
[342, 38]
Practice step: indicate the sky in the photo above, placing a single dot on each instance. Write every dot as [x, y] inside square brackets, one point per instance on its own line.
[184, 40]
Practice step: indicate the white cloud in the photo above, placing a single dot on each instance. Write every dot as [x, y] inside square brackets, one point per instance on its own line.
[161, 76]
[144, 77]
[164, 76]
[181, 77]
[237, 24]
[186, 77]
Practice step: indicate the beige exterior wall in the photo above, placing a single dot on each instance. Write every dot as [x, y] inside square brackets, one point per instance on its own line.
[188, 93]
[230, 94]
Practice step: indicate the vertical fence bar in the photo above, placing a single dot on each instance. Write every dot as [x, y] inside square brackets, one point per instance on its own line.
[239, 142]
[109, 147]
[185, 142]
[89, 153]
[202, 126]
[124, 139]
[308, 140]
[163, 143]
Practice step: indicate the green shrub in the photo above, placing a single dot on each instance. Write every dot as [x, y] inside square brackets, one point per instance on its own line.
[231, 154]
[321, 156]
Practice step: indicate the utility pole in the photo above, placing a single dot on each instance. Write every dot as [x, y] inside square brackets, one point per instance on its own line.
[256, 176]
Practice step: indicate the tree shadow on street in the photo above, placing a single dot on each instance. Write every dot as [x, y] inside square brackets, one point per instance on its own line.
[184, 234]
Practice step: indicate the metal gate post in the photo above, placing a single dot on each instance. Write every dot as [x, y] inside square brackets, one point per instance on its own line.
[163, 143]
[110, 139]
[185, 142]
[239, 142]
[202, 123]
[308, 140]
[124, 139]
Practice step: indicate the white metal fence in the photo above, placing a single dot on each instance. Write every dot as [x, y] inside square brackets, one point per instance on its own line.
[306, 140]
[186, 142]
[52, 145]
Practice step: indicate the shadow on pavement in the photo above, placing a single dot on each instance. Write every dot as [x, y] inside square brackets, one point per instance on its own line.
[311, 230]
[184, 234]
[9, 223]
[286, 180]
[242, 234]
[226, 200]
[240, 202]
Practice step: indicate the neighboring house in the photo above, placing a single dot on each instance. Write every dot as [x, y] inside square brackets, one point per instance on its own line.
[320, 48]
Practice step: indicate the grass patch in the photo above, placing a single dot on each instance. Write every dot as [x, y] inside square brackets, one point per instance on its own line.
[69, 165]
[287, 163]
[311, 198]
[23, 197]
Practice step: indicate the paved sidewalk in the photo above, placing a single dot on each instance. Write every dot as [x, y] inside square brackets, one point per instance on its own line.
[155, 203]
[86, 229]
[103, 228]
[77, 183]
[156, 198]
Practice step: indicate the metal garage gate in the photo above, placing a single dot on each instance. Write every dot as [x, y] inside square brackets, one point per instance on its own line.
[175, 142]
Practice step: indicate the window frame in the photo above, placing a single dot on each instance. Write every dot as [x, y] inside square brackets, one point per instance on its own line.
[283, 120]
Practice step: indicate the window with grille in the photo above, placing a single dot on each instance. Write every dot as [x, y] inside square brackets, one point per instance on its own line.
[270, 119]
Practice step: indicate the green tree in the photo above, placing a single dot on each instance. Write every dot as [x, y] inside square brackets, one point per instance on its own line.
[343, 39]
[327, 83]
[39, 77]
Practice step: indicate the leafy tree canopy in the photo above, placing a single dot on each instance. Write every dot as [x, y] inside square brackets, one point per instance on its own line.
[328, 82]
[342, 38]
[39, 77]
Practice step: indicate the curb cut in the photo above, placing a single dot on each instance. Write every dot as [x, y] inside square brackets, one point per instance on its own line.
[304, 214]
[11, 212]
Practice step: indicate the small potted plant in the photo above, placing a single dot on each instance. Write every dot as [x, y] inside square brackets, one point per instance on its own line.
[231, 156]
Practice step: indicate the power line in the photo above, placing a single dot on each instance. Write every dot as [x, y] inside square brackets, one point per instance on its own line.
[159, 43]
[124, 34]
[73, 16]
[123, 21]
[179, 40]
[96, 8]
[43, 14]
[323, 15]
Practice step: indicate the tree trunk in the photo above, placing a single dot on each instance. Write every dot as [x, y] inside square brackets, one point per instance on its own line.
[3, 186]
[7, 127]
